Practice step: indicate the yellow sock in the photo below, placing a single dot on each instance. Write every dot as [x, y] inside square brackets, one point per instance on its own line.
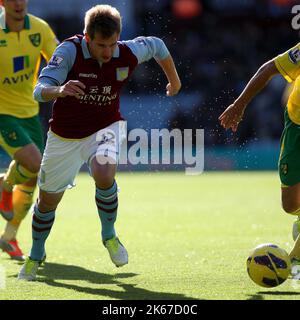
[22, 201]
[16, 174]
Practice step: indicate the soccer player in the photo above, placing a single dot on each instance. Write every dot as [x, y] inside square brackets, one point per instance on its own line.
[288, 65]
[85, 76]
[22, 42]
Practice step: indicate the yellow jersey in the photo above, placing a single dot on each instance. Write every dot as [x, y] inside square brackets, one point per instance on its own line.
[20, 57]
[288, 64]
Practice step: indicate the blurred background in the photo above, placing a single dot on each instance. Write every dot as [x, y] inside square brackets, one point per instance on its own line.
[217, 46]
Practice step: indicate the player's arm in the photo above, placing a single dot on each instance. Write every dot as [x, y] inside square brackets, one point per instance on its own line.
[51, 84]
[146, 48]
[231, 117]
[71, 88]
[287, 64]
[170, 71]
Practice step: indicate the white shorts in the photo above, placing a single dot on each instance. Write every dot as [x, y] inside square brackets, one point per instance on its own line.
[63, 158]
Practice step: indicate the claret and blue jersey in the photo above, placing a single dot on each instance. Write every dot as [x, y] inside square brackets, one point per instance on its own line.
[100, 105]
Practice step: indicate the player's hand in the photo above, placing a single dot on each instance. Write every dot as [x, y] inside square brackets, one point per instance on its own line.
[72, 88]
[172, 90]
[232, 116]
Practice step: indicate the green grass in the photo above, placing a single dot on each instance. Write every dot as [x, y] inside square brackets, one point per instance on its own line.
[188, 238]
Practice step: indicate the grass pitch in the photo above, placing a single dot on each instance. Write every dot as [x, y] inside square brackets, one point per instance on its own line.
[188, 238]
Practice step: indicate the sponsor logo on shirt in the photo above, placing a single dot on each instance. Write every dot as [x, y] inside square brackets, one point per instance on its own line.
[284, 168]
[13, 136]
[294, 56]
[20, 63]
[18, 78]
[99, 96]
[88, 75]
[122, 73]
[55, 61]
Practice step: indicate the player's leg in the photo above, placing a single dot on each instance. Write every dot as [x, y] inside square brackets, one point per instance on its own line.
[5, 246]
[28, 156]
[106, 197]
[16, 141]
[59, 167]
[289, 171]
[23, 168]
[107, 204]
[42, 222]
[22, 202]
[103, 165]
[291, 205]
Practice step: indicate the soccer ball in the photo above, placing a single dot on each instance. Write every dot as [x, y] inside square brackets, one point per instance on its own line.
[268, 265]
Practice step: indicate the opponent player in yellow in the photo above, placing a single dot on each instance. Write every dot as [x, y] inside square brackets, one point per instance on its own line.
[288, 65]
[23, 41]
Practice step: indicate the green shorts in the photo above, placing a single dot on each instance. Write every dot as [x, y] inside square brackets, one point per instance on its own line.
[15, 133]
[289, 159]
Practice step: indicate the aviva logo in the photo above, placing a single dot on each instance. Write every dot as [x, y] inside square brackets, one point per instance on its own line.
[20, 63]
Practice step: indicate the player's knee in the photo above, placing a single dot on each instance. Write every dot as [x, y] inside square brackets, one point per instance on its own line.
[290, 207]
[29, 157]
[105, 182]
[104, 175]
[104, 179]
[35, 167]
[46, 204]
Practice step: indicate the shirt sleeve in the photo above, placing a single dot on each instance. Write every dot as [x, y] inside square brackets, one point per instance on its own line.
[50, 42]
[288, 63]
[146, 48]
[60, 63]
[45, 82]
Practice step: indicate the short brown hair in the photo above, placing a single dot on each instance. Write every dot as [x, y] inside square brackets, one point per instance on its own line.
[103, 19]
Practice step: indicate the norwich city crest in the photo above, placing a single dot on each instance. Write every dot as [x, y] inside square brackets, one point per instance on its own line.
[284, 168]
[35, 39]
